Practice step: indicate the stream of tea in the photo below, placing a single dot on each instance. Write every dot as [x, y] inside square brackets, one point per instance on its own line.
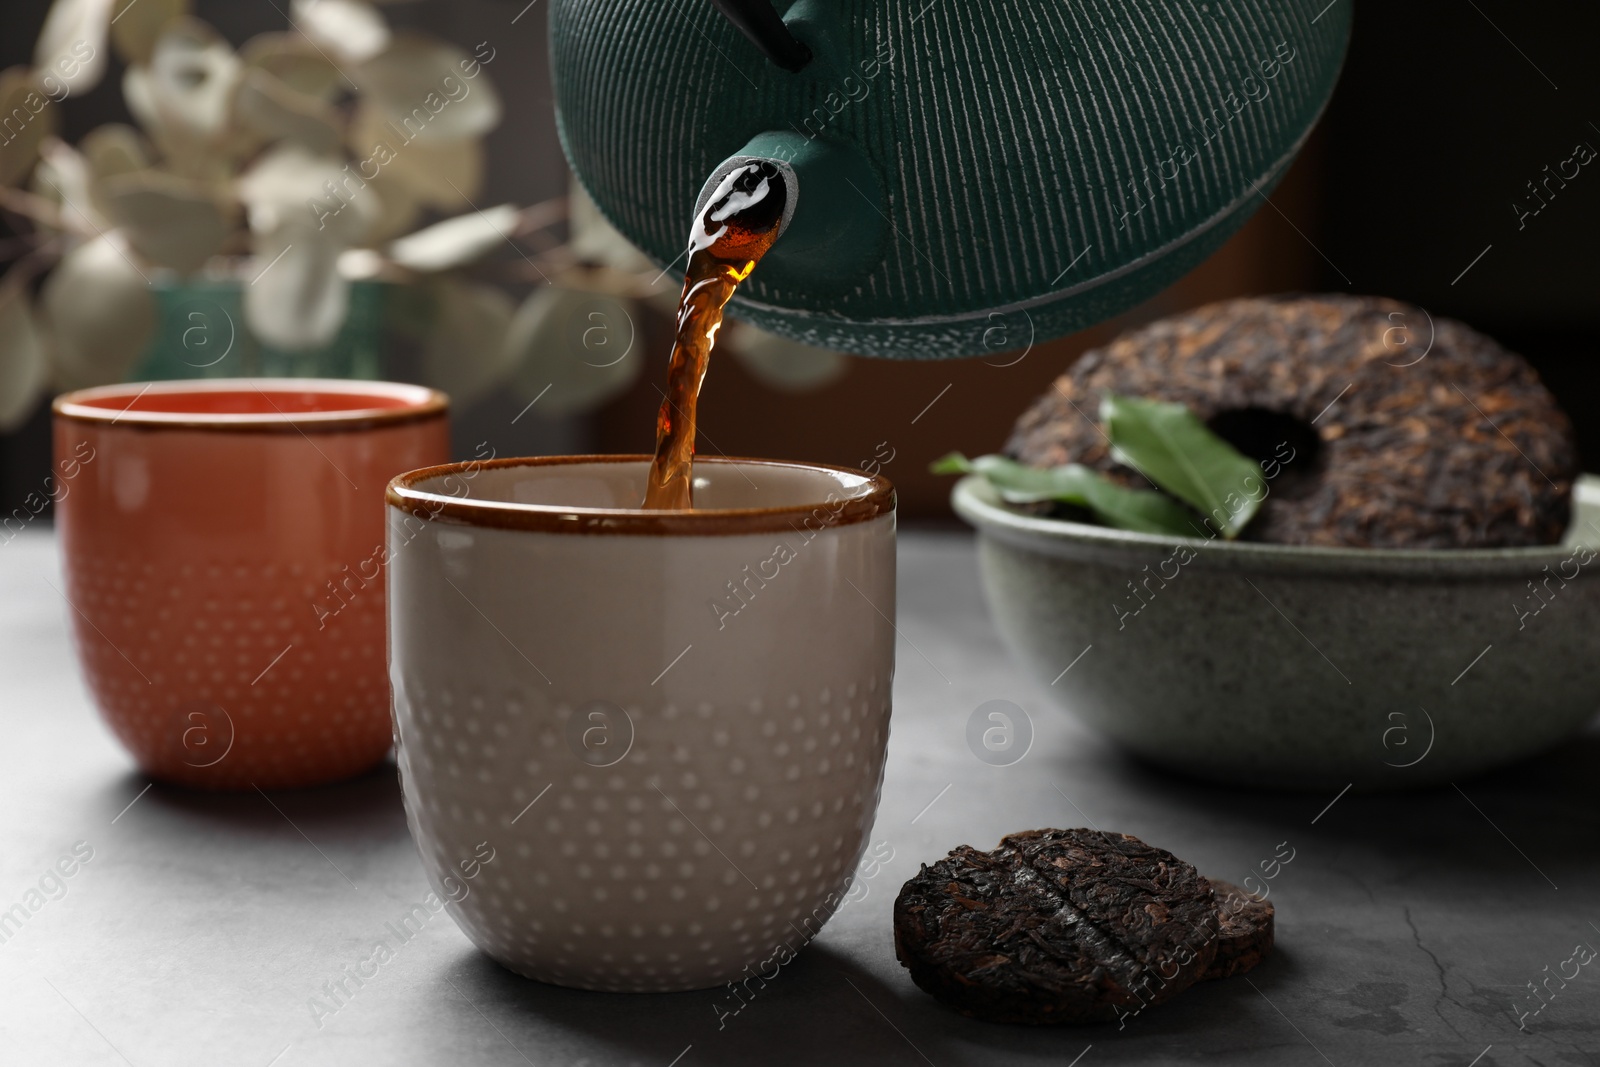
[728, 238]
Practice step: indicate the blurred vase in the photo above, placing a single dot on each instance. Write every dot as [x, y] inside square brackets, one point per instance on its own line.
[201, 332]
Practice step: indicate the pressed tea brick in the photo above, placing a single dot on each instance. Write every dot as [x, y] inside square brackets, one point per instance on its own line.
[1404, 432]
[1246, 932]
[1056, 926]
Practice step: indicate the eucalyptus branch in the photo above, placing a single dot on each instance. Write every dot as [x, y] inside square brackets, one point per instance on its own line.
[37, 208]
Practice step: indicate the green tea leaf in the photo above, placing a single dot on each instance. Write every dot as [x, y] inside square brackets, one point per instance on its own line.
[1143, 510]
[1017, 483]
[951, 463]
[1169, 445]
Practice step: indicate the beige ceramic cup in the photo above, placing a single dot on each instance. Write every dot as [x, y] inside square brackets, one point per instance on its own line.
[669, 727]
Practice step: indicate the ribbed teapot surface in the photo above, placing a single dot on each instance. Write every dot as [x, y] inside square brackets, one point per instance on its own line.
[1041, 165]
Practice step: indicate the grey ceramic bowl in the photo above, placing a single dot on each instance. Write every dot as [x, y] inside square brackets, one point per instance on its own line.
[1300, 667]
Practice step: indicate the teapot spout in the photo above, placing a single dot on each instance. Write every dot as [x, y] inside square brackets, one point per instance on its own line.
[835, 226]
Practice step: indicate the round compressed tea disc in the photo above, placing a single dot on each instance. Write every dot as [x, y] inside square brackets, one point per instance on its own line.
[1245, 931]
[1056, 926]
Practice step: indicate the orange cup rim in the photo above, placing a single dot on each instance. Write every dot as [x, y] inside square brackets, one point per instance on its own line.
[876, 498]
[416, 402]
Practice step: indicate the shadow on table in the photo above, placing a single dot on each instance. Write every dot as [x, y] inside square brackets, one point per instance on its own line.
[1535, 818]
[367, 807]
[825, 1008]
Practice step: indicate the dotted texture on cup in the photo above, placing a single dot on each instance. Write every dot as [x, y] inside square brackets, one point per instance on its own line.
[293, 704]
[727, 831]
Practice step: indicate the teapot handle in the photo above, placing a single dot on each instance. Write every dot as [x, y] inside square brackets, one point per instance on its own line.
[760, 23]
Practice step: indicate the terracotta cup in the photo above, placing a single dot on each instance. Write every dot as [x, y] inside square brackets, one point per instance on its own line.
[223, 548]
[667, 728]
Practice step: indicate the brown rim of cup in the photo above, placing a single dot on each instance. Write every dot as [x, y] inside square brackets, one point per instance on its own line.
[876, 499]
[418, 402]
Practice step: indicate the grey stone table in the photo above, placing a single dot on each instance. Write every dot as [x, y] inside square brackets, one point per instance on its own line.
[201, 928]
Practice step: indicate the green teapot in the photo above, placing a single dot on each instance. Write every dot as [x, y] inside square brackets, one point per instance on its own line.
[967, 176]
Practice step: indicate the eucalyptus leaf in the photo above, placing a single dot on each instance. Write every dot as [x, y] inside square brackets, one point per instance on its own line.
[458, 241]
[420, 87]
[136, 24]
[275, 112]
[138, 92]
[593, 239]
[396, 208]
[194, 77]
[184, 97]
[466, 354]
[28, 120]
[98, 312]
[70, 53]
[113, 149]
[444, 175]
[194, 72]
[572, 351]
[1168, 444]
[109, 151]
[63, 177]
[289, 187]
[172, 221]
[361, 264]
[1141, 510]
[295, 297]
[295, 61]
[24, 370]
[352, 30]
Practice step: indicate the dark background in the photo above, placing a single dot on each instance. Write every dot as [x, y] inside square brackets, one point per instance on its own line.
[1444, 112]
